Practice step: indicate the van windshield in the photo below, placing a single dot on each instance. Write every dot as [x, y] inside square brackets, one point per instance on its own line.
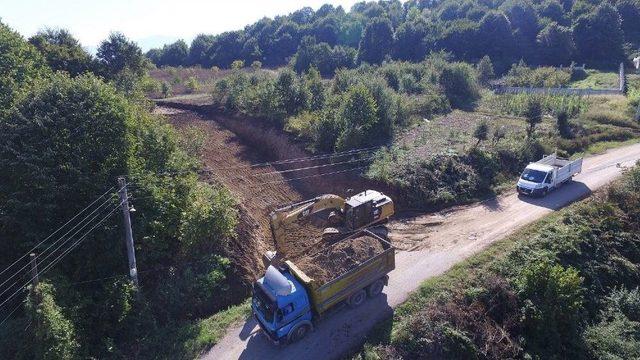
[263, 303]
[535, 176]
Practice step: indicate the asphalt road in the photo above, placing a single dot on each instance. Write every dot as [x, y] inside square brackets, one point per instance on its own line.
[437, 242]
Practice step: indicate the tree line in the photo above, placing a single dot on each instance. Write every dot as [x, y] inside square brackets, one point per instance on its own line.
[551, 32]
[70, 124]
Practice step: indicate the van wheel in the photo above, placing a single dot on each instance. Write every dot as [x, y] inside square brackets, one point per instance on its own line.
[375, 289]
[545, 192]
[358, 298]
[298, 333]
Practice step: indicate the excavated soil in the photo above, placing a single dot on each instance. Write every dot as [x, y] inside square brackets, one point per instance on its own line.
[231, 162]
[334, 260]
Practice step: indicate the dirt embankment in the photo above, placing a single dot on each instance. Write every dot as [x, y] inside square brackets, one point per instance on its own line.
[231, 162]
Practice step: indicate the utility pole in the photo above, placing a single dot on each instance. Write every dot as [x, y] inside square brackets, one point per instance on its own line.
[131, 251]
[34, 270]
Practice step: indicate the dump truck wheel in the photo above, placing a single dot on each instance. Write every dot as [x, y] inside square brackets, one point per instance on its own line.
[298, 333]
[375, 289]
[358, 298]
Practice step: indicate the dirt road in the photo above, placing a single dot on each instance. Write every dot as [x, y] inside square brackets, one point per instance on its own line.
[437, 243]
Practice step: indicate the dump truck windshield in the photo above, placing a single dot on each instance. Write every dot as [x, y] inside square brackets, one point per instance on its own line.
[535, 176]
[266, 307]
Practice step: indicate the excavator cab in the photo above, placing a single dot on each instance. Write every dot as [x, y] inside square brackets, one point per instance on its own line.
[366, 208]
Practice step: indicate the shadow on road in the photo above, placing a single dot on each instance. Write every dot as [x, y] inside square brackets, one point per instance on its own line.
[248, 327]
[337, 333]
[565, 195]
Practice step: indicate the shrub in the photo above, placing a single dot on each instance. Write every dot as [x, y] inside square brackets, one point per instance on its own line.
[166, 89]
[358, 115]
[237, 64]
[460, 85]
[562, 124]
[256, 65]
[481, 132]
[533, 114]
[54, 335]
[192, 84]
[485, 70]
[551, 305]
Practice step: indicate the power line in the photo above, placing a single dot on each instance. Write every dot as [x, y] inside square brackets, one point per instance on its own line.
[315, 167]
[308, 177]
[303, 159]
[11, 313]
[57, 241]
[55, 232]
[67, 251]
[278, 162]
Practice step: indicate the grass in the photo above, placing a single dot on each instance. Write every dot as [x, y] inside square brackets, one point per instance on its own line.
[597, 80]
[188, 341]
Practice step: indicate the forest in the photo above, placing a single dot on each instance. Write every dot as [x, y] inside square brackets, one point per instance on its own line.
[550, 32]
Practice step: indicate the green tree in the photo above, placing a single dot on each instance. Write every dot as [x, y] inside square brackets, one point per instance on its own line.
[62, 51]
[174, 54]
[533, 114]
[599, 37]
[313, 82]
[358, 115]
[117, 56]
[481, 132]
[198, 50]
[629, 11]
[485, 70]
[376, 41]
[522, 16]
[460, 85]
[54, 336]
[410, 43]
[20, 66]
[555, 45]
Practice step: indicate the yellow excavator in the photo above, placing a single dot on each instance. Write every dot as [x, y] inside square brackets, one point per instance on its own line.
[346, 216]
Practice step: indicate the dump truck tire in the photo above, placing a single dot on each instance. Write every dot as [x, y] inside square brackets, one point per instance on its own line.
[375, 289]
[299, 332]
[357, 298]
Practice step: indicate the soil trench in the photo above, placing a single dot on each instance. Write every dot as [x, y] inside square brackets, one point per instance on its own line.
[256, 194]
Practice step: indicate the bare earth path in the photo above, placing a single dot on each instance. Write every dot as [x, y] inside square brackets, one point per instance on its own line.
[438, 242]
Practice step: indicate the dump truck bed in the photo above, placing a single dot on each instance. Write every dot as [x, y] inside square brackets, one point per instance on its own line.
[325, 295]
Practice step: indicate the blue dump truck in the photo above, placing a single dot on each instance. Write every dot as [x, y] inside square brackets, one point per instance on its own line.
[287, 302]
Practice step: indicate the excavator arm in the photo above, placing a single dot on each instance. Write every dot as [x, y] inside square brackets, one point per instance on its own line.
[280, 218]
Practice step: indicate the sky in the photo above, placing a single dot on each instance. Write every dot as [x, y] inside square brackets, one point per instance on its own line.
[149, 22]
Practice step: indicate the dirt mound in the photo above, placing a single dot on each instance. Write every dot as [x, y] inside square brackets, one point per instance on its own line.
[232, 164]
[334, 260]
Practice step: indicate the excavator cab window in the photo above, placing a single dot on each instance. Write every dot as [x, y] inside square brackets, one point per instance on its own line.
[361, 215]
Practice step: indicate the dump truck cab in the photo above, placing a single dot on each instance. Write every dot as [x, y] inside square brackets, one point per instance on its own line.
[281, 306]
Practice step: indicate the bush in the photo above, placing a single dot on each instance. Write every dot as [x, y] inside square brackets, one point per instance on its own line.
[548, 77]
[53, 335]
[552, 302]
[192, 84]
[562, 124]
[533, 114]
[166, 89]
[485, 71]
[460, 85]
